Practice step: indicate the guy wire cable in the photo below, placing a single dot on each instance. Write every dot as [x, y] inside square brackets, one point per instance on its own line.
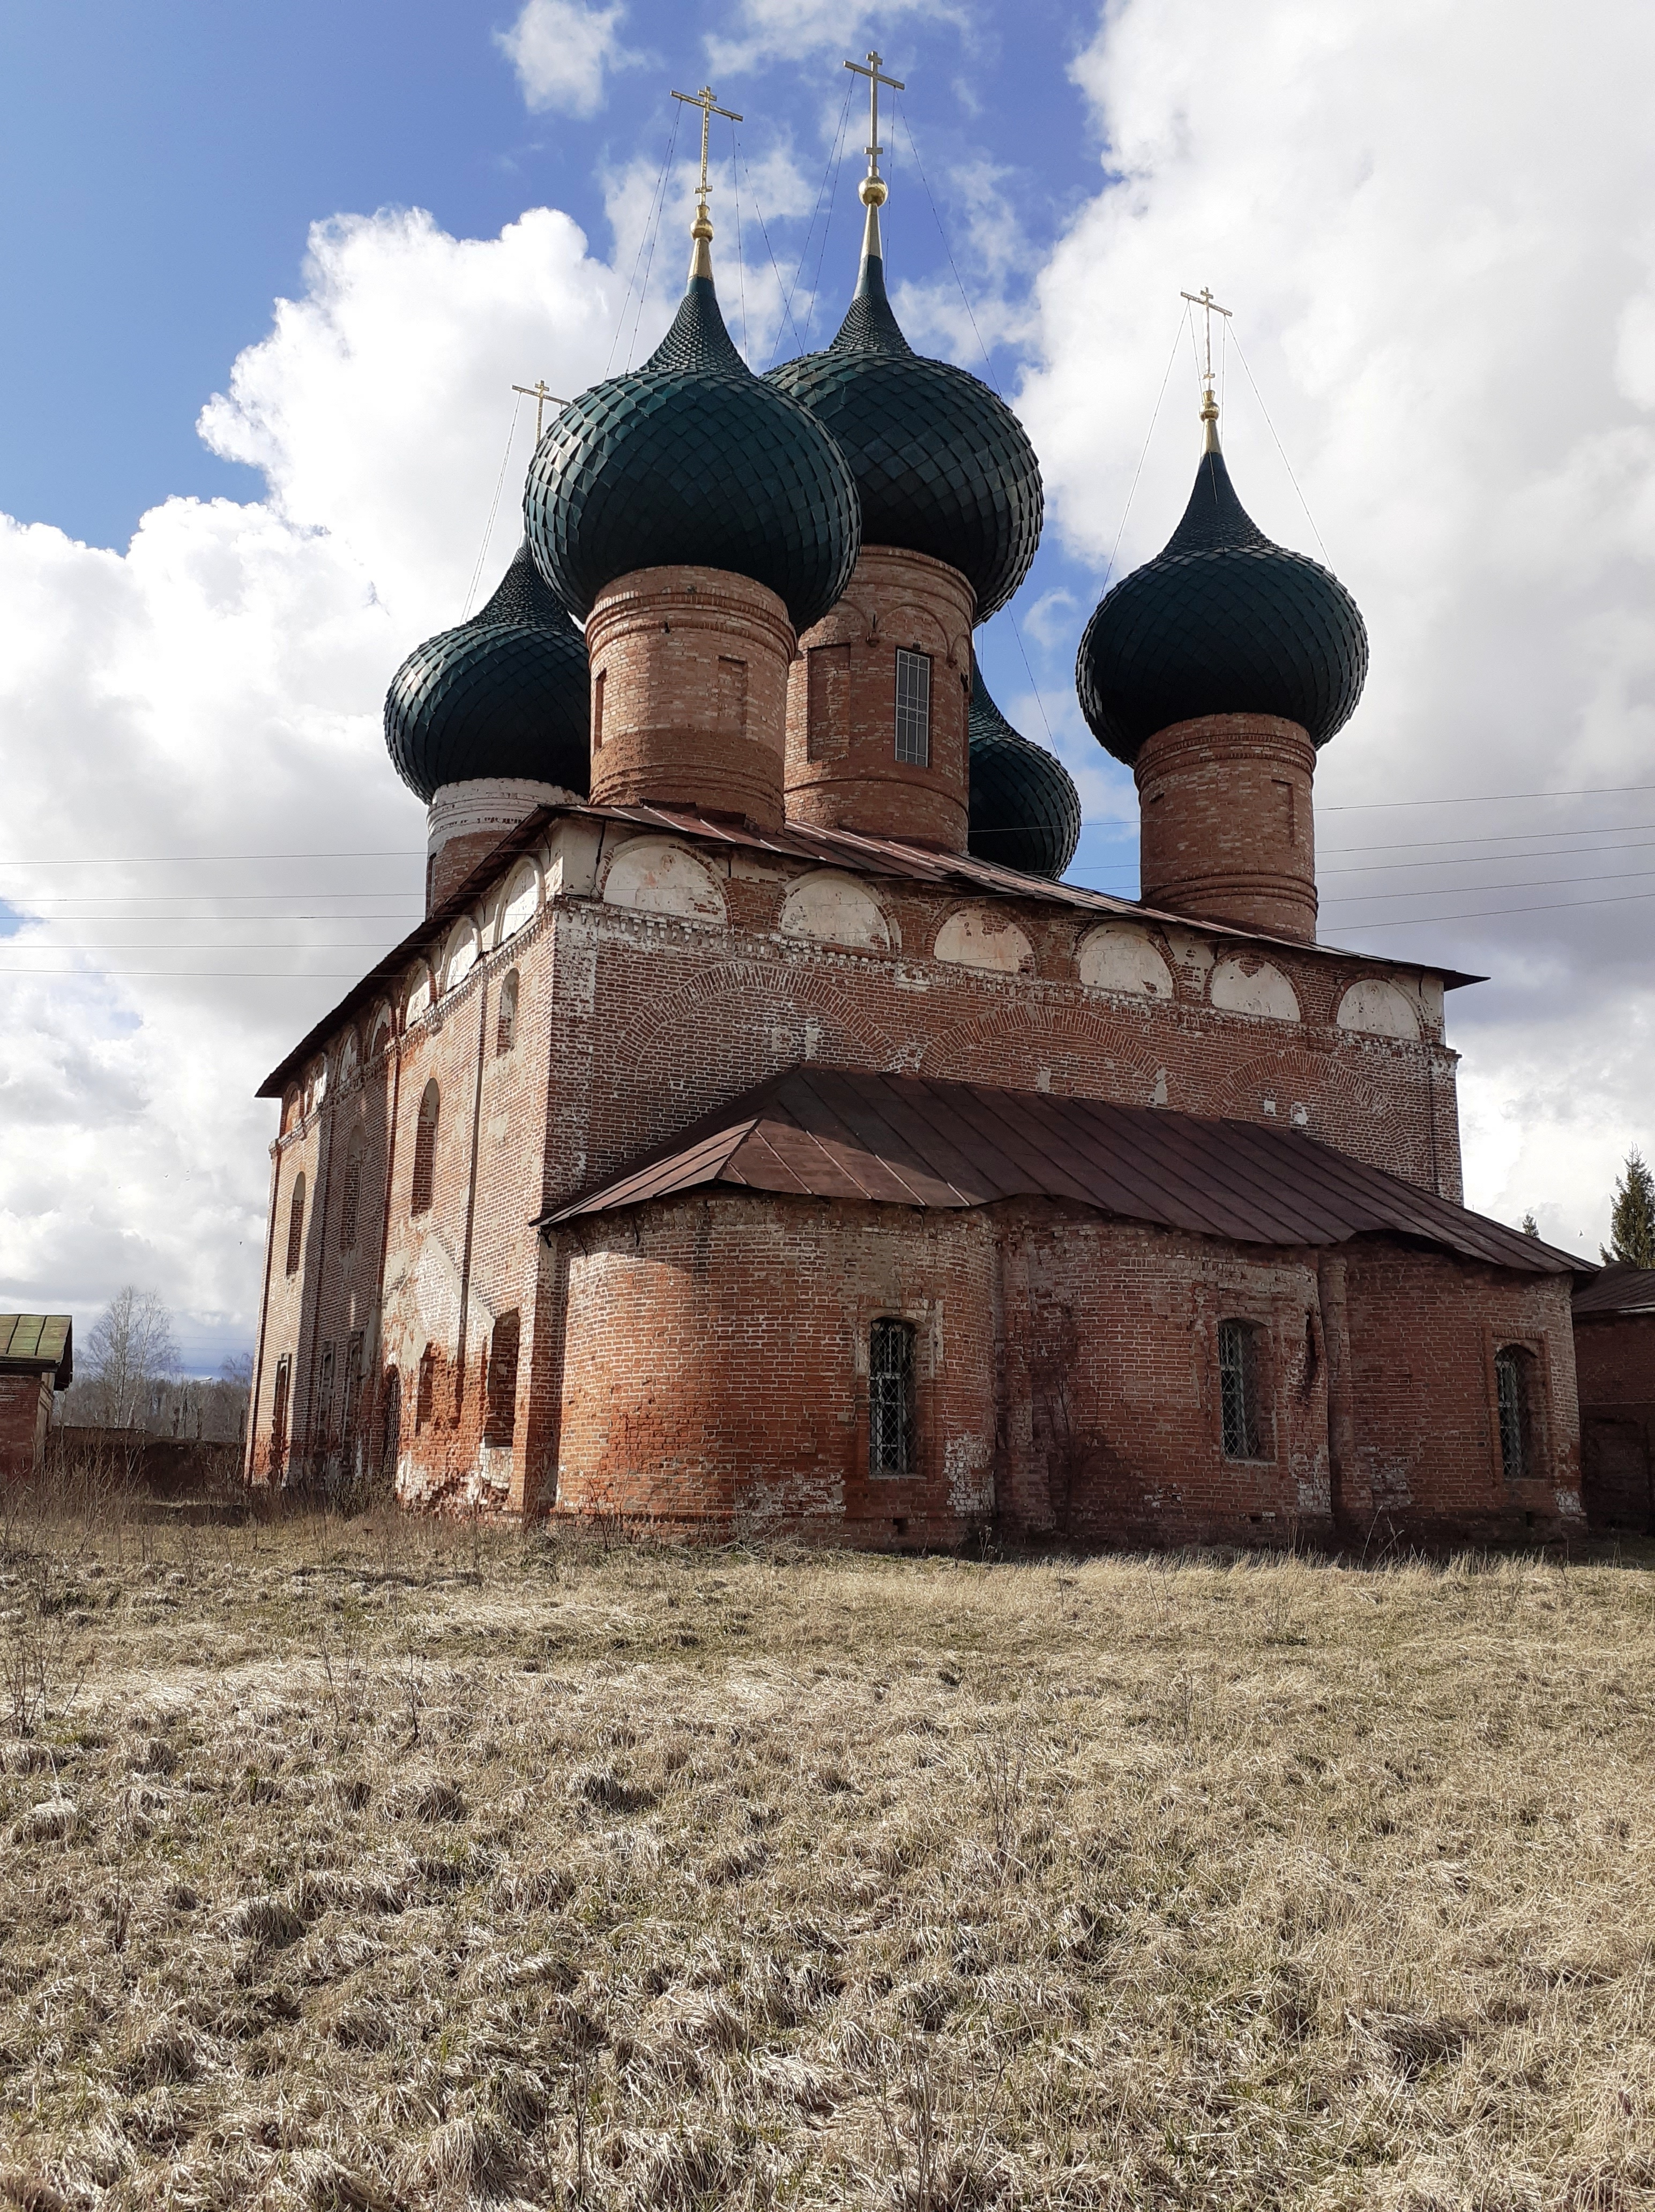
[655, 233]
[494, 509]
[646, 233]
[776, 271]
[810, 231]
[741, 266]
[1241, 355]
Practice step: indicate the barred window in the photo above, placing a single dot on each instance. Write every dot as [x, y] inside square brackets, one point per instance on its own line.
[499, 1419]
[349, 1405]
[351, 1197]
[425, 1149]
[296, 1226]
[391, 1426]
[914, 707]
[505, 1028]
[1238, 1369]
[322, 1416]
[890, 1398]
[1513, 1389]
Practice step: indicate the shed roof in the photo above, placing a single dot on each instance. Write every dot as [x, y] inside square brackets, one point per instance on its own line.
[904, 1140]
[1617, 1289]
[39, 1342]
[839, 848]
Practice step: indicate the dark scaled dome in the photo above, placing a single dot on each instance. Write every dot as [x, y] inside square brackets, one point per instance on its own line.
[692, 460]
[505, 694]
[941, 464]
[1221, 622]
[1026, 810]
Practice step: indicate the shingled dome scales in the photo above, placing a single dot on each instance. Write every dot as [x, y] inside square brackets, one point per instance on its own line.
[692, 460]
[1221, 622]
[942, 466]
[505, 694]
[1026, 810]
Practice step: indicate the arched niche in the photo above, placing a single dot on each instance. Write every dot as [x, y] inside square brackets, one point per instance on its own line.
[315, 1084]
[1378, 1009]
[520, 903]
[381, 1029]
[1240, 986]
[657, 875]
[835, 909]
[419, 992]
[290, 1103]
[461, 953]
[349, 1059]
[982, 937]
[1116, 956]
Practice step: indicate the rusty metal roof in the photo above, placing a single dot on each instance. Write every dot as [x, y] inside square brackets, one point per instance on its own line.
[839, 848]
[903, 1141]
[1617, 1289]
[36, 1342]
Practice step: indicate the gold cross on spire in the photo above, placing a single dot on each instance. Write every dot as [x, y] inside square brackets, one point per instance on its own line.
[874, 190]
[1204, 299]
[701, 261]
[538, 393]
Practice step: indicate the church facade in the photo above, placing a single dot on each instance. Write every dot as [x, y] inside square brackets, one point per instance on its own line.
[758, 1134]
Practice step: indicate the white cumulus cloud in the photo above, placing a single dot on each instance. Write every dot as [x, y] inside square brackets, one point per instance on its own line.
[561, 51]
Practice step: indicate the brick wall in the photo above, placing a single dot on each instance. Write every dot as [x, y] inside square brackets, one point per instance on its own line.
[714, 1367]
[689, 692]
[1615, 1358]
[1226, 832]
[25, 1409]
[842, 769]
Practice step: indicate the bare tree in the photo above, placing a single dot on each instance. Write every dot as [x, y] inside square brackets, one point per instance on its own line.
[130, 1350]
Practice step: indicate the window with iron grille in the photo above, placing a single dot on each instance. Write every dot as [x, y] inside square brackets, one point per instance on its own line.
[1513, 1366]
[391, 1426]
[1237, 1371]
[890, 1398]
[351, 1198]
[914, 707]
[278, 1416]
[296, 1226]
[500, 1420]
[322, 1416]
[425, 1149]
[349, 1405]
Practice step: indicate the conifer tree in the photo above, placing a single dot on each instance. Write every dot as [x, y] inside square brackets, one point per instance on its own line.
[1632, 1219]
[1530, 1226]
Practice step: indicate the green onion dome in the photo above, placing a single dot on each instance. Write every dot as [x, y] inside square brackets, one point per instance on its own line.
[942, 466]
[1026, 810]
[505, 694]
[1222, 622]
[692, 460]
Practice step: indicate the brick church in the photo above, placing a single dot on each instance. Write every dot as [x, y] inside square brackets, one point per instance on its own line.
[758, 1134]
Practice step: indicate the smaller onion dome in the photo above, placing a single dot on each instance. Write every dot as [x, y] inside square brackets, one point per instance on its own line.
[505, 694]
[942, 466]
[1026, 810]
[692, 460]
[1221, 622]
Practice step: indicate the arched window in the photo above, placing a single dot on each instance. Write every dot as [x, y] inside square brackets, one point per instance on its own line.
[505, 1034]
[1514, 1390]
[914, 707]
[500, 1420]
[351, 1197]
[1237, 1373]
[295, 1225]
[425, 1149]
[890, 1398]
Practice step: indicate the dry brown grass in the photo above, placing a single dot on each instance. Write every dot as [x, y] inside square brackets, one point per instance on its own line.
[398, 1865]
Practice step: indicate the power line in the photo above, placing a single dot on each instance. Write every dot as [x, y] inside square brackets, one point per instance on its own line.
[1524, 884]
[1488, 798]
[1485, 914]
[184, 859]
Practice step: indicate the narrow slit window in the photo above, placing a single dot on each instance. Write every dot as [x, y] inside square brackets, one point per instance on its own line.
[324, 1394]
[890, 1398]
[1238, 1367]
[1512, 1389]
[296, 1226]
[500, 1420]
[505, 1028]
[279, 1415]
[914, 707]
[598, 709]
[425, 1394]
[349, 1403]
[425, 1150]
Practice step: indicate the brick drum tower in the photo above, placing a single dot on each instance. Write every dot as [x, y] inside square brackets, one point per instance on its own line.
[760, 1133]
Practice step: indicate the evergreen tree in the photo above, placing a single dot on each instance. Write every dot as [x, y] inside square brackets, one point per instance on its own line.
[1530, 1226]
[1632, 1219]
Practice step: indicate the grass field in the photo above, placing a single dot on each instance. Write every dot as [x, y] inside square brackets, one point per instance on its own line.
[388, 1864]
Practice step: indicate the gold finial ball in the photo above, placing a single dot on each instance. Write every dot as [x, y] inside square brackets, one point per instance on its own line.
[874, 192]
[703, 225]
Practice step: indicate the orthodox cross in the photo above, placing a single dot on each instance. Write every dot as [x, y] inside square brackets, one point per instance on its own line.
[874, 81]
[538, 393]
[1204, 299]
[703, 100]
